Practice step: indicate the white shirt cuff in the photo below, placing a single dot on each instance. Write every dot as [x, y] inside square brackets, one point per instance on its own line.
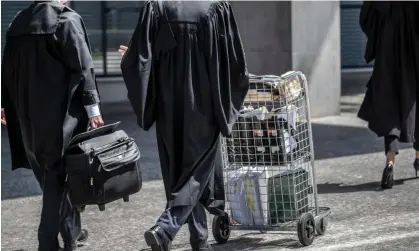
[92, 110]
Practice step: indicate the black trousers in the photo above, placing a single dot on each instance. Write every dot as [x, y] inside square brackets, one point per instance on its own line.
[391, 144]
[173, 218]
[58, 215]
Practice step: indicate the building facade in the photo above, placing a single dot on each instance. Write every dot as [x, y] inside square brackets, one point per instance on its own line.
[318, 38]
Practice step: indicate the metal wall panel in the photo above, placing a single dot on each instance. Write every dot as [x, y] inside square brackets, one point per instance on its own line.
[353, 40]
[109, 24]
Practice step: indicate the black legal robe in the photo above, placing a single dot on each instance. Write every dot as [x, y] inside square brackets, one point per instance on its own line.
[185, 71]
[389, 106]
[47, 78]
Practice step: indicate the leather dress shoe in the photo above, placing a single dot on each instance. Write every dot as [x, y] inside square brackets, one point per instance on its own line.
[157, 239]
[84, 234]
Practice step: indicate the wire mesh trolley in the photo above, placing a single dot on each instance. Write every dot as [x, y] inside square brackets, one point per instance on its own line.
[268, 163]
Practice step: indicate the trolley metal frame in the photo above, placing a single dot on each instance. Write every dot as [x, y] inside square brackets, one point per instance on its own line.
[248, 154]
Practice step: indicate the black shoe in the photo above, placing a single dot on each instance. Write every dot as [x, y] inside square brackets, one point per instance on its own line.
[387, 179]
[204, 247]
[416, 166]
[81, 208]
[84, 234]
[157, 239]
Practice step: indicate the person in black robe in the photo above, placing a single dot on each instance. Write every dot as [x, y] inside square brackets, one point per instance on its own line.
[389, 106]
[49, 94]
[185, 69]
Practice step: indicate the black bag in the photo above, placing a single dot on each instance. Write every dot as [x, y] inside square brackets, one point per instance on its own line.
[102, 166]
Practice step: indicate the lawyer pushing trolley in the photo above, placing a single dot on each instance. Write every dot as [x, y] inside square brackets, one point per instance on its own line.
[268, 162]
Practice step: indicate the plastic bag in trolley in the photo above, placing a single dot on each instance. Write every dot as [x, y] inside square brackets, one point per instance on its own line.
[267, 196]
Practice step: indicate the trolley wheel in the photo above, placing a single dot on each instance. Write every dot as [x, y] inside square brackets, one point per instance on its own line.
[306, 228]
[126, 198]
[221, 228]
[263, 231]
[321, 227]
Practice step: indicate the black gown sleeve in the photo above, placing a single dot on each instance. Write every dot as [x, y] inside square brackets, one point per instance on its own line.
[77, 56]
[136, 67]
[4, 90]
[5, 69]
[17, 149]
[226, 65]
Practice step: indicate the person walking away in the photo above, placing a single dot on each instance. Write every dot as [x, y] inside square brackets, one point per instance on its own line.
[185, 69]
[49, 94]
[389, 106]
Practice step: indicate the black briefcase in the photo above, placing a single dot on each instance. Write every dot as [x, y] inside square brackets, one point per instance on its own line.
[102, 165]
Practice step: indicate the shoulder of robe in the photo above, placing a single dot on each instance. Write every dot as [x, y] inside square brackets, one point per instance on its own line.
[36, 19]
[218, 7]
[71, 16]
[17, 14]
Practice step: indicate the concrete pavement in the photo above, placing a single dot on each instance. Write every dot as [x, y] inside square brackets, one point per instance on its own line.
[349, 161]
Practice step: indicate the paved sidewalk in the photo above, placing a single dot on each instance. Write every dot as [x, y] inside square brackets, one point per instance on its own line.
[349, 161]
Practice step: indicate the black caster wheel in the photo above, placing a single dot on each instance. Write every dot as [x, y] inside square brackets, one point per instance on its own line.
[126, 198]
[263, 231]
[321, 226]
[221, 228]
[306, 228]
[101, 207]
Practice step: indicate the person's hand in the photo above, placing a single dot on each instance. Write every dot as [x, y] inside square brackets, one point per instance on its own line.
[3, 117]
[96, 122]
[122, 49]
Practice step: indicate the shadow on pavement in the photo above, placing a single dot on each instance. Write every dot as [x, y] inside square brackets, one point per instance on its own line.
[329, 188]
[330, 141]
[333, 141]
[246, 243]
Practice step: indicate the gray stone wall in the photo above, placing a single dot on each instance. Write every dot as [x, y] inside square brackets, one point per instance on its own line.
[265, 30]
[280, 36]
[316, 52]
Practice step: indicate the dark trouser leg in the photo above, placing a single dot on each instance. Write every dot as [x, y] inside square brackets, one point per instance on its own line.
[71, 222]
[391, 144]
[185, 196]
[57, 213]
[49, 226]
[172, 219]
[416, 146]
[198, 229]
